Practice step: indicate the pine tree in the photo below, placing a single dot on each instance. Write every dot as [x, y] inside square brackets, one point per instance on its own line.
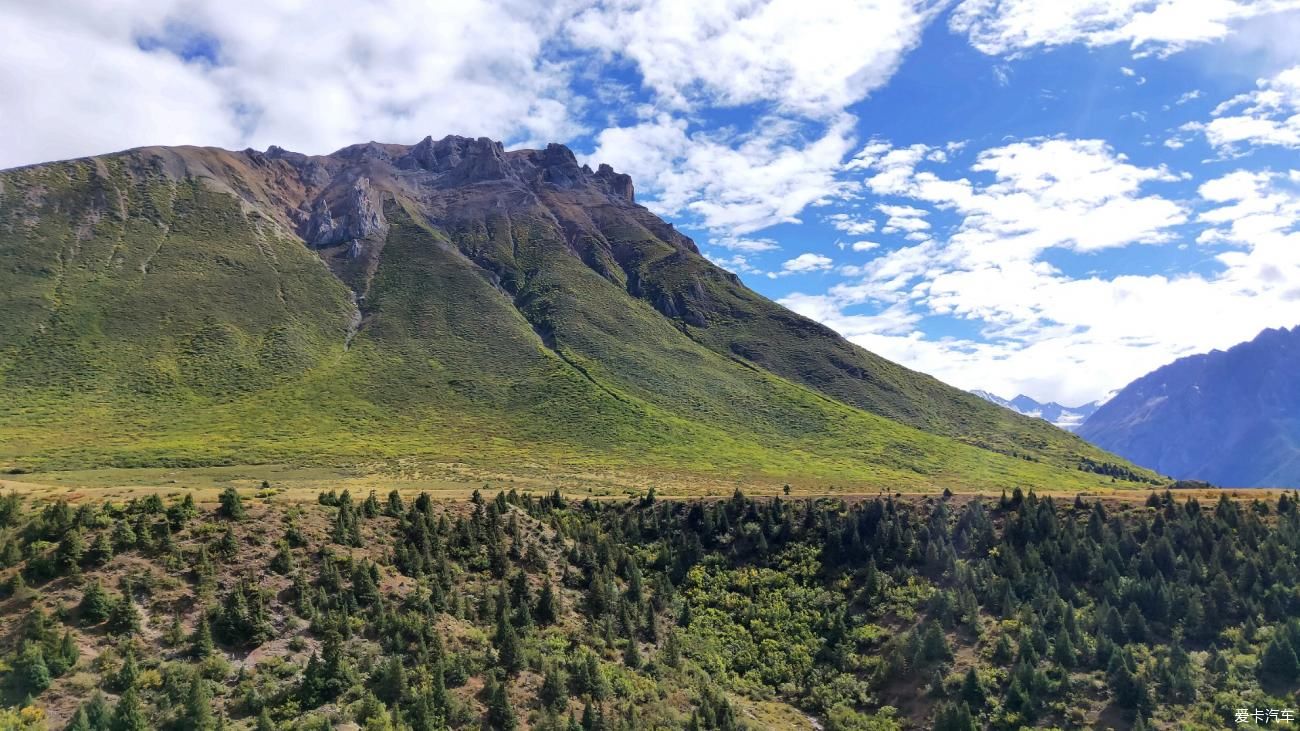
[124, 618]
[548, 607]
[553, 693]
[1279, 661]
[71, 550]
[128, 716]
[972, 691]
[201, 644]
[282, 562]
[954, 718]
[395, 506]
[232, 506]
[129, 672]
[198, 714]
[391, 683]
[124, 537]
[65, 656]
[228, 546]
[509, 653]
[30, 668]
[632, 654]
[98, 712]
[95, 604]
[80, 721]
[672, 650]
[175, 633]
[500, 714]
[1063, 650]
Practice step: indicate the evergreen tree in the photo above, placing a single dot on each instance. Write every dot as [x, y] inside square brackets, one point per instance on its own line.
[954, 718]
[65, 656]
[201, 644]
[198, 714]
[500, 714]
[972, 691]
[30, 668]
[98, 712]
[124, 618]
[282, 561]
[548, 606]
[553, 694]
[672, 650]
[1279, 661]
[128, 716]
[632, 654]
[80, 721]
[95, 603]
[232, 506]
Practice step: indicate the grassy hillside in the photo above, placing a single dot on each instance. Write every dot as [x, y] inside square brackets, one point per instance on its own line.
[159, 318]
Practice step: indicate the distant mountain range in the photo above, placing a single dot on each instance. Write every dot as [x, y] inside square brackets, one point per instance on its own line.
[1068, 418]
[1229, 417]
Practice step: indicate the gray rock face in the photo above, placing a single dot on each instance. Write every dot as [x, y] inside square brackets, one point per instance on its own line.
[358, 215]
[461, 160]
[618, 184]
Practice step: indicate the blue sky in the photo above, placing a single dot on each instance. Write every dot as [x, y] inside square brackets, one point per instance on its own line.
[1015, 195]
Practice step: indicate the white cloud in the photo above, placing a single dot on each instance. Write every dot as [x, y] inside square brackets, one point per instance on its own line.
[738, 263]
[811, 59]
[801, 65]
[747, 245]
[1075, 194]
[312, 78]
[1269, 115]
[1013, 27]
[904, 219]
[734, 184]
[852, 225]
[864, 245]
[807, 262]
[1192, 95]
[1038, 330]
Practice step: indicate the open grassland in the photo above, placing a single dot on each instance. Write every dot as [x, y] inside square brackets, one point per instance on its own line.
[458, 481]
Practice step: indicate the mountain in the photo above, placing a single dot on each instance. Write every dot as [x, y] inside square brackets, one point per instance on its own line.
[448, 300]
[1229, 417]
[1063, 417]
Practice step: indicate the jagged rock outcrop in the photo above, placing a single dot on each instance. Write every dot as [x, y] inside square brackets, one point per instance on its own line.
[357, 215]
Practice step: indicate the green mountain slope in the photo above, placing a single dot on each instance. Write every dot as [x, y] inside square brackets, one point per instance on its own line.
[452, 301]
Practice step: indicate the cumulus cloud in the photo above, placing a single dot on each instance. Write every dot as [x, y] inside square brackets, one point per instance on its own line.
[807, 262]
[850, 224]
[811, 59]
[738, 263]
[83, 79]
[1161, 27]
[1036, 329]
[801, 65]
[747, 245]
[1268, 115]
[734, 184]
